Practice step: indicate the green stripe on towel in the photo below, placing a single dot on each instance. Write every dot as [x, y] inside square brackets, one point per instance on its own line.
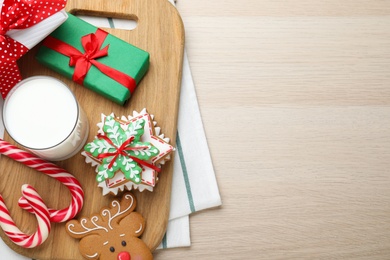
[185, 173]
[111, 22]
[164, 241]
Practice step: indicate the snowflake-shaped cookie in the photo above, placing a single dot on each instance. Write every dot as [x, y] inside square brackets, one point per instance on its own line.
[127, 153]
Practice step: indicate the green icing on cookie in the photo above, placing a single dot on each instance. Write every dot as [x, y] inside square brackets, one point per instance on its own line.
[121, 150]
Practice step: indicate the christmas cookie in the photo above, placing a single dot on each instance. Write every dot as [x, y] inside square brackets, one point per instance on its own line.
[127, 152]
[112, 234]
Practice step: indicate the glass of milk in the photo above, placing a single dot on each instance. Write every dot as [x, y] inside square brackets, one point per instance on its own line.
[42, 114]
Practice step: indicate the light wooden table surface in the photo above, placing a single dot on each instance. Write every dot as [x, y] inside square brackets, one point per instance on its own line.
[295, 99]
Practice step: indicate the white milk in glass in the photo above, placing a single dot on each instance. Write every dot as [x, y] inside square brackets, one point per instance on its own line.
[42, 114]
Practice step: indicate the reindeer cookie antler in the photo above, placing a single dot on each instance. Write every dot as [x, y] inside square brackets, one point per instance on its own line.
[112, 234]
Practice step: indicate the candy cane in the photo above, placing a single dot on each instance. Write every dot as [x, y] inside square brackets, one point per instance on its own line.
[41, 213]
[74, 187]
[51, 170]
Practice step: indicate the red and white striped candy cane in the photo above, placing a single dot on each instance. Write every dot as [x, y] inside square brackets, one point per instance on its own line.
[51, 170]
[71, 183]
[41, 212]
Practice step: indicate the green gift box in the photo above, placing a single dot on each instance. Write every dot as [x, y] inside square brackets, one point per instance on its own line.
[92, 57]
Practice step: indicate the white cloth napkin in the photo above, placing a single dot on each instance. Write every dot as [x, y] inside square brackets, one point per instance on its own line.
[194, 186]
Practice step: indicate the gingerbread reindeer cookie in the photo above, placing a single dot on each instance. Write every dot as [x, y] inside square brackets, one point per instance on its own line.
[112, 234]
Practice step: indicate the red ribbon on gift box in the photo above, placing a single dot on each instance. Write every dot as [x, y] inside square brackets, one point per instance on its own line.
[19, 14]
[92, 44]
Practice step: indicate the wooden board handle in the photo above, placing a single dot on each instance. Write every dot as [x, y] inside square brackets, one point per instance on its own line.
[125, 9]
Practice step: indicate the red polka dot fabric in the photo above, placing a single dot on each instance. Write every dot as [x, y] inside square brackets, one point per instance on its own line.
[19, 14]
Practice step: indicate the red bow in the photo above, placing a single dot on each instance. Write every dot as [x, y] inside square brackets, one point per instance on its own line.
[82, 62]
[19, 14]
[122, 151]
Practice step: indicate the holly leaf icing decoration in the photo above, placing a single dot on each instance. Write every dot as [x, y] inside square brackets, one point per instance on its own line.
[121, 150]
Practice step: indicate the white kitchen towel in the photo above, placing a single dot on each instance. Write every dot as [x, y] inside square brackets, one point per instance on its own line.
[194, 173]
[193, 165]
[178, 233]
[194, 185]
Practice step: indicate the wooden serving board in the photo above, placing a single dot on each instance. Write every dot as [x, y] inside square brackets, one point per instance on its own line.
[160, 32]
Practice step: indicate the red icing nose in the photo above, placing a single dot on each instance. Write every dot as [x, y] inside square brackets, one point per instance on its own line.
[124, 256]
